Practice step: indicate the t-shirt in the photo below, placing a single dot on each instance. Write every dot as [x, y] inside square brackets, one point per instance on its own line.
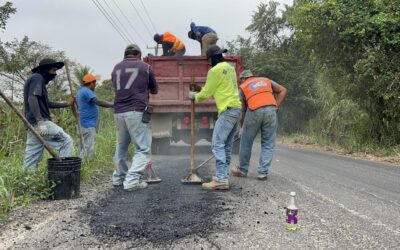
[222, 85]
[201, 29]
[132, 79]
[35, 86]
[89, 112]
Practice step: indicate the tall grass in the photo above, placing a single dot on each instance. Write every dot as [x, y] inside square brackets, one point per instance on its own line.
[19, 187]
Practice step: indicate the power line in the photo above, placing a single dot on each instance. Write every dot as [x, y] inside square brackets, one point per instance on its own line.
[129, 22]
[108, 19]
[119, 21]
[137, 12]
[147, 13]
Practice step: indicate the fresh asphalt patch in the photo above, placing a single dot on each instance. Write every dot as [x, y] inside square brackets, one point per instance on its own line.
[163, 212]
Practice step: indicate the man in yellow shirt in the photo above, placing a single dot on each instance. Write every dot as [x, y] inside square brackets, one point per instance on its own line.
[222, 85]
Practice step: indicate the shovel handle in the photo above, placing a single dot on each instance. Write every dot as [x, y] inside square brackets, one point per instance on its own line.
[30, 127]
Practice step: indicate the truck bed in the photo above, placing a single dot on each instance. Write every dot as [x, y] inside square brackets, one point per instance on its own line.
[175, 74]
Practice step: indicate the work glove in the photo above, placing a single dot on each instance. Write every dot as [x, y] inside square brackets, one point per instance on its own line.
[192, 95]
[42, 128]
[195, 87]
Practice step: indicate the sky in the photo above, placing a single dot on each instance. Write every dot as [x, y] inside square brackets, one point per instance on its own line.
[81, 30]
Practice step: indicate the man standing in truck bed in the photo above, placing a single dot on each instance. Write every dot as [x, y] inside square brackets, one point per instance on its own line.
[132, 80]
[204, 35]
[222, 85]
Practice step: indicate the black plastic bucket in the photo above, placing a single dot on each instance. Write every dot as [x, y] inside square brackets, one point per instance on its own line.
[66, 174]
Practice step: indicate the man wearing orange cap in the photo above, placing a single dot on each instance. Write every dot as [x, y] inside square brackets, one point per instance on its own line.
[89, 112]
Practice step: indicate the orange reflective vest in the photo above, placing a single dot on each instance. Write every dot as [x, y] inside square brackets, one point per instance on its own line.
[258, 92]
[178, 44]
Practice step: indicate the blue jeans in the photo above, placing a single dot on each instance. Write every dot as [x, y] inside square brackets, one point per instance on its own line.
[130, 128]
[88, 140]
[56, 138]
[222, 140]
[265, 120]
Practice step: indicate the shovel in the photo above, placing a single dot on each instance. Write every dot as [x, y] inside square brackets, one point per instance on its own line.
[192, 178]
[31, 128]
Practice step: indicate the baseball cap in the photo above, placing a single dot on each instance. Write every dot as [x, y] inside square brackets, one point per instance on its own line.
[132, 47]
[215, 50]
[246, 73]
[90, 78]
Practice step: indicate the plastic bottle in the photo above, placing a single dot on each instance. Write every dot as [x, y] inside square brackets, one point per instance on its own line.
[291, 213]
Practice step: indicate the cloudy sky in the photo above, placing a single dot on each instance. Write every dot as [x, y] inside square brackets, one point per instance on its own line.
[80, 29]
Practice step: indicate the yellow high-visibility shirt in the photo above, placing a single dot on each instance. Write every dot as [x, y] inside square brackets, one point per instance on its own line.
[222, 85]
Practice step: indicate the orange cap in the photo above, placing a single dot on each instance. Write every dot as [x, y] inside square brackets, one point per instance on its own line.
[90, 78]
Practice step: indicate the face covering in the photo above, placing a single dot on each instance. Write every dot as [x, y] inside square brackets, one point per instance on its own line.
[48, 77]
[216, 59]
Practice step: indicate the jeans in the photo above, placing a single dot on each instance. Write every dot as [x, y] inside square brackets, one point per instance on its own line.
[130, 128]
[88, 140]
[207, 40]
[222, 140]
[55, 137]
[265, 120]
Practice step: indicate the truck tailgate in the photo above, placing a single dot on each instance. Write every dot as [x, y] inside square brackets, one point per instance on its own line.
[174, 75]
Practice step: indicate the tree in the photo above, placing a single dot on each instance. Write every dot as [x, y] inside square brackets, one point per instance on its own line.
[18, 58]
[357, 51]
[5, 11]
[266, 25]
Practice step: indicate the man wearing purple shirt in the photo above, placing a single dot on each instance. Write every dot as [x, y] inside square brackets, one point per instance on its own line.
[133, 81]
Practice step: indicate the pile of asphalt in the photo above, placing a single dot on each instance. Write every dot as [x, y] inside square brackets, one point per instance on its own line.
[161, 213]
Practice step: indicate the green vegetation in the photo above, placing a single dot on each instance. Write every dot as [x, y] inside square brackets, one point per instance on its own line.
[17, 58]
[339, 60]
[18, 187]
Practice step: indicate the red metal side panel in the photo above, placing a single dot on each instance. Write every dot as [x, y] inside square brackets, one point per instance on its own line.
[174, 75]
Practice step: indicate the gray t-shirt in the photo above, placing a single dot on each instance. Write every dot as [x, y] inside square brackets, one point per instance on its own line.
[35, 86]
[132, 79]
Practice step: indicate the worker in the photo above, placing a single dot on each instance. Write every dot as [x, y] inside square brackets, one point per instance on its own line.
[89, 113]
[36, 106]
[221, 84]
[172, 46]
[133, 80]
[260, 107]
[203, 34]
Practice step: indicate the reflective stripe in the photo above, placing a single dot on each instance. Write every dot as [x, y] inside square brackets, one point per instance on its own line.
[177, 43]
[258, 92]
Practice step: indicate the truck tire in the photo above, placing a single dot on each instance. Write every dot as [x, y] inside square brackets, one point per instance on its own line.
[160, 146]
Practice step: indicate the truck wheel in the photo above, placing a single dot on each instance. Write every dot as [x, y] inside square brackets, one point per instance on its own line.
[160, 146]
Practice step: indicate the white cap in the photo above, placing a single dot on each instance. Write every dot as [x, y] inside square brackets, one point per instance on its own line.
[293, 193]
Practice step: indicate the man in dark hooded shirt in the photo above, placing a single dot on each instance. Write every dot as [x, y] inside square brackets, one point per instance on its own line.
[37, 105]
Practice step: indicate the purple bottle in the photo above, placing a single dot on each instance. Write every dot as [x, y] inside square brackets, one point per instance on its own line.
[291, 213]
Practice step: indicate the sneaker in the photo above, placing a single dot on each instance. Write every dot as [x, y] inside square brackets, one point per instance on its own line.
[237, 172]
[262, 177]
[139, 185]
[216, 185]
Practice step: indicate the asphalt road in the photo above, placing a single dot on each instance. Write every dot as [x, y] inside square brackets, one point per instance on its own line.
[344, 203]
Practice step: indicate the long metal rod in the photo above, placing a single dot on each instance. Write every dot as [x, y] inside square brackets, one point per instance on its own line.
[192, 130]
[211, 157]
[75, 110]
[30, 127]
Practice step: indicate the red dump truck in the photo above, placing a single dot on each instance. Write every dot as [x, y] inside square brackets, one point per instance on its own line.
[171, 117]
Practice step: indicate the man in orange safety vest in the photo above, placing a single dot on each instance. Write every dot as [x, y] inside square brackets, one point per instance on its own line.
[260, 106]
[172, 46]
